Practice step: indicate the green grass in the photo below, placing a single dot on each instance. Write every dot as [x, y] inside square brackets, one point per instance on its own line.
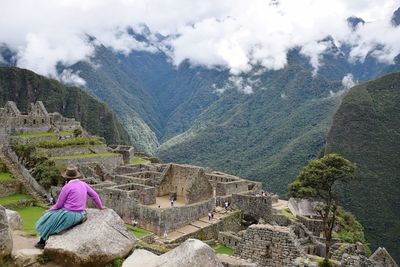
[220, 249]
[33, 135]
[29, 216]
[137, 232]
[288, 214]
[81, 156]
[5, 177]
[137, 161]
[159, 248]
[14, 199]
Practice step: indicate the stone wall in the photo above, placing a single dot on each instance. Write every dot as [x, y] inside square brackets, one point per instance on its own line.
[256, 206]
[109, 162]
[65, 151]
[189, 182]
[9, 188]
[382, 257]
[150, 218]
[314, 225]
[229, 239]
[269, 245]
[28, 178]
[357, 261]
[223, 189]
[142, 194]
[230, 222]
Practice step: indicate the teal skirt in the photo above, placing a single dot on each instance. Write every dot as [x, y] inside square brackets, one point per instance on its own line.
[56, 221]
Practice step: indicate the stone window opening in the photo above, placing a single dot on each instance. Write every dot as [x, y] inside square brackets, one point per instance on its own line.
[24, 121]
[42, 120]
[34, 121]
[236, 186]
[268, 251]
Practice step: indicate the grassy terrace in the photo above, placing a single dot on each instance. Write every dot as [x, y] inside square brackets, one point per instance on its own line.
[29, 214]
[6, 177]
[83, 156]
[137, 161]
[33, 135]
[220, 249]
[137, 232]
[29, 217]
[14, 199]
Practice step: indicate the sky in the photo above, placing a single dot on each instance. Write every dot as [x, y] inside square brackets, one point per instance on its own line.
[235, 34]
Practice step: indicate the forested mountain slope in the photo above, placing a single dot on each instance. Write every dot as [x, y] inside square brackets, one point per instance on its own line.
[24, 86]
[267, 135]
[366, 130]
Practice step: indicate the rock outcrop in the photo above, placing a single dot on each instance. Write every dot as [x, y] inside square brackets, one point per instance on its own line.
[14, 220]
[26, 257]
[191, 253]
[96, 242]
[6, 243]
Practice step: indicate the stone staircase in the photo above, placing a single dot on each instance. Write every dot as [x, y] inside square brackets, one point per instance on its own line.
[190, 229]
[14, 169]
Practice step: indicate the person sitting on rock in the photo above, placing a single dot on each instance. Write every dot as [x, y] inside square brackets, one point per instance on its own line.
[69, 209]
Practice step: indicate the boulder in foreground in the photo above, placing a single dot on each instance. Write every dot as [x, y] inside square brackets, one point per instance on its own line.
[96, 242]
[191, 253]
[14, 220]
[6, 242]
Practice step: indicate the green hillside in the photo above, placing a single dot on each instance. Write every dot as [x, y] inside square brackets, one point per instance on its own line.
[366, 130]
[24, 87]
[263, 136]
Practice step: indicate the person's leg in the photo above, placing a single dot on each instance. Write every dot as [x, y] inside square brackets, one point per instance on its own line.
[40, 244]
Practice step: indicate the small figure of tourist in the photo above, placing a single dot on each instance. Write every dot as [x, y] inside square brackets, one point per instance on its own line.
[51, 200]
[212, 215]
[263, 193]
[209, 216]
[172, 202]
[134, 223]
[226, 205]
[159, 206]
[69, 209]
[165, 234]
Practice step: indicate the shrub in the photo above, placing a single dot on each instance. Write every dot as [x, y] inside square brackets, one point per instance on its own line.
[47, 174]
[325, 263]
[77, 132]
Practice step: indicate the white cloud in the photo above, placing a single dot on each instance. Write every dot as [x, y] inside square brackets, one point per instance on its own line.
[348, 81]
[236, 34]
[70, 78]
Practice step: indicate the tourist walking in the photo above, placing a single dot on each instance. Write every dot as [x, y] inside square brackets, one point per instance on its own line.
[209, 216]
[69, 209]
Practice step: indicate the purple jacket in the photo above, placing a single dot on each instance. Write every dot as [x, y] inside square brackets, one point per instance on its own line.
[73, 197]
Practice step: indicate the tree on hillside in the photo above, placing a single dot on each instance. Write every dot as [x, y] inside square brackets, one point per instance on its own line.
[317, 182]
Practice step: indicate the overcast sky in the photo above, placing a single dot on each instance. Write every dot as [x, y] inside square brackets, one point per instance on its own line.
[232, 33]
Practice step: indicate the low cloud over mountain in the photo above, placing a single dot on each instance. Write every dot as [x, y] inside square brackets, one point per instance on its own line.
[235, 34]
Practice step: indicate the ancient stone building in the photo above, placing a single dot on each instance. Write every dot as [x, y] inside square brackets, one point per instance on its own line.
[187, 182]
[36, 120]
[269, 245]
[383, 258]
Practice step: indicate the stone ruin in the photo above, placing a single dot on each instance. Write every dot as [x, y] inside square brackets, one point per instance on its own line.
[143, 193]
[36, 120]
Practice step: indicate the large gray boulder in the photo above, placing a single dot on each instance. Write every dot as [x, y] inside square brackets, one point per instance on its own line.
[96, 242]
[191, 253]
[6, 242]
[14, 220]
